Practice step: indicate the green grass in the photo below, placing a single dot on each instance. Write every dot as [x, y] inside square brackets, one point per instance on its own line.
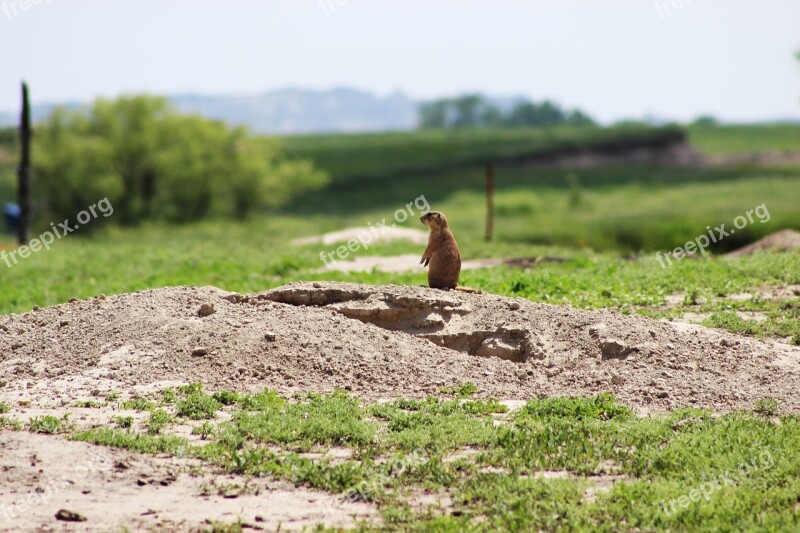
[123, 422]
[746, 139]
[138, 404]
[374, 157]
[136, 442]
[158, 420]
[13, 424]
[198, 406]
[685, 470]
[49, 424]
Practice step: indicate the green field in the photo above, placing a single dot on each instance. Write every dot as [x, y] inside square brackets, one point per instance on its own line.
[746, 139]
[374, 157]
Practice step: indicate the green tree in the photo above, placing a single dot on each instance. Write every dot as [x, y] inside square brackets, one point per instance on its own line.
[467, 110]
[579, 118]
[433, 115]
[706, 121]
[152, 162]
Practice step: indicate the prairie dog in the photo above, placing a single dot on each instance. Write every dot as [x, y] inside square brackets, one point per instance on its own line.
[442, 255]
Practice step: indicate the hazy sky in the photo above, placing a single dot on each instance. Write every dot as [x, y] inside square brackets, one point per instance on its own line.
[613, 58]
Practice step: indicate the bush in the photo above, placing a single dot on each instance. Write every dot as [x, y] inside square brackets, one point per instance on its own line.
[150, 161]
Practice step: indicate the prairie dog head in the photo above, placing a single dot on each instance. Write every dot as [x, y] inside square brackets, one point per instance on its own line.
[434, 220]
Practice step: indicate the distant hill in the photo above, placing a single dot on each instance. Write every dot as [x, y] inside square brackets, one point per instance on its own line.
[306, 111]
[289, 111]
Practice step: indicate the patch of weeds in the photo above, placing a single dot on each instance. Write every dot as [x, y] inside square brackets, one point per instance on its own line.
[464, 390]
[267, 400]
[7, 422]
[692, 297]
[198, 406]
[157, 421]
[259, 461]
[124, 422]
[437, 425]
[169, 396]
[138, 404]
[732, 322]
[484, 407]
[117, 438]
[4, 408]
[221, 527]
[191, 388]
[333, 419]
[88, 404]
[226, 398]
[601, 407]
[112, 397]
[49, 424]
[204, 430]
[766, 407]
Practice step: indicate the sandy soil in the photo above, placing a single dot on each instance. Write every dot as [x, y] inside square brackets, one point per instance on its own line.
[112, 489]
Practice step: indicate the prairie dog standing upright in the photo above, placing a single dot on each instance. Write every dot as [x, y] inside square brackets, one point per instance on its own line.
[442, 255]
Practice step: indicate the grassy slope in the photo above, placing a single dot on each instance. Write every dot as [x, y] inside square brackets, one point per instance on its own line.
[746, 139]
[365, 157]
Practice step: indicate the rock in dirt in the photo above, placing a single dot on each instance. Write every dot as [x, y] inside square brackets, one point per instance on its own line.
[206, 310]
[615, 349]
[69, 516]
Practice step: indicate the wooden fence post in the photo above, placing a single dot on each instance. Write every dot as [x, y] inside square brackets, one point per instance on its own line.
[24, 171]
[489, 201]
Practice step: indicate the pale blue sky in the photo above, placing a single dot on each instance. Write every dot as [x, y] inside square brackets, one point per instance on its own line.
[613, 58]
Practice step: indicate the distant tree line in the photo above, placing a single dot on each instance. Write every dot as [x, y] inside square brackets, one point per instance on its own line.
[475, 111]
[152, 162]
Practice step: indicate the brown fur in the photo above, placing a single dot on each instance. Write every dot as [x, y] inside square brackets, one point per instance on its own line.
[442, 255]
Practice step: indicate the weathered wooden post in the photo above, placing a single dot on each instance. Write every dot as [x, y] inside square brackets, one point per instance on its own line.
[24, 171]
[489, 201]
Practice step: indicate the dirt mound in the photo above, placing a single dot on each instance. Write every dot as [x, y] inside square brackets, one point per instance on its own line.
[783, 240]
[382, 341]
